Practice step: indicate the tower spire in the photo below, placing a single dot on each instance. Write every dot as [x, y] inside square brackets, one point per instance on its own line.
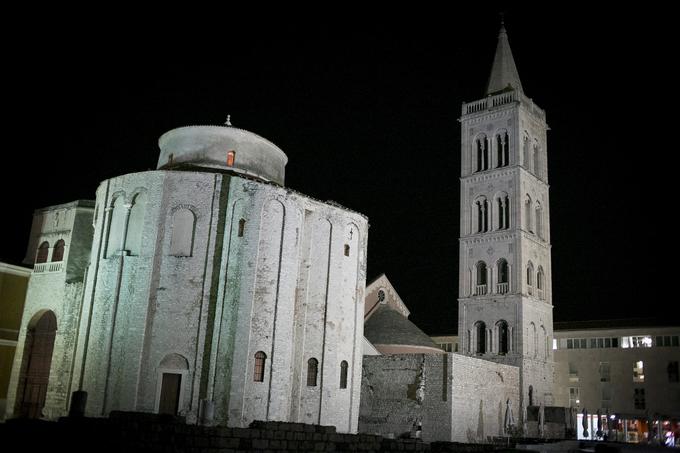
[504, 73]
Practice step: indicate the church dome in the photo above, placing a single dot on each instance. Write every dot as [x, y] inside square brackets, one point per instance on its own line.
[391, 333]
[222, 148]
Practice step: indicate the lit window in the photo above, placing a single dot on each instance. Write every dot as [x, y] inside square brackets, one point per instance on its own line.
[639, 371]
[636, 342]
[554, 344]
[231, 155]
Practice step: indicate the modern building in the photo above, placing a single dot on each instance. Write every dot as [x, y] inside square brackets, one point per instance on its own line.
[13, 285]
[204, 288]
[505, 294]
[626, 369]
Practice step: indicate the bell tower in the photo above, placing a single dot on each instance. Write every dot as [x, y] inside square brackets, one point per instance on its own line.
[505, 298]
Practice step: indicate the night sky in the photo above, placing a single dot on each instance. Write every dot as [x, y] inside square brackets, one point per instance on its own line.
[372, 124]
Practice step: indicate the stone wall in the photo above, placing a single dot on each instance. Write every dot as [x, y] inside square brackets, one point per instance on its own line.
[452, 397]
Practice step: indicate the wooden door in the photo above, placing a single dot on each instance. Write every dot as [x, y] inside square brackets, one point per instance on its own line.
[170, 388]
[38, 359]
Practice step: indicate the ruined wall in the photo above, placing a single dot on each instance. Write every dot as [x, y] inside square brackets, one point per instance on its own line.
[453, 397]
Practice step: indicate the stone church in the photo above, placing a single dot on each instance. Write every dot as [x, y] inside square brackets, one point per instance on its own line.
[207, 289]
[212, 291]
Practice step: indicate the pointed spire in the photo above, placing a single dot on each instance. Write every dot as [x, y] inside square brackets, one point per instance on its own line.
[503, 71]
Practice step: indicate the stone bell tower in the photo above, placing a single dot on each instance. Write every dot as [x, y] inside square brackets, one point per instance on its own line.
[505, 297]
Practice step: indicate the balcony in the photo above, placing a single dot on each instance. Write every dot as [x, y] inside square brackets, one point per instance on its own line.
[502, 288]
[44, 268]
[498, 100]
[481, 290]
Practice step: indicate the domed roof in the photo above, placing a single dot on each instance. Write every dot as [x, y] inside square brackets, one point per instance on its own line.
[222, 148]
[387, 327]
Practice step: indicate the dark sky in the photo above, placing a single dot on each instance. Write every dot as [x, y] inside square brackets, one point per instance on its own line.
[372, 124]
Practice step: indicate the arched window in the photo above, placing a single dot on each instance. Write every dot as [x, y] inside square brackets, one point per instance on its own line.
[537, 160]
[503, 210]
[343, 374]
[482, 217]
[346, 249]
[58, 252]
[530, 278]
[43, 251]
[117, 216]
[481, 287]
[540, 282]
[531, 395]
[503, 276]
[133, 241]
[231, 156]
[182, 241]
[544, 343]
[527, 214]
[260, 358]
[480, 332]
[539, 220]
[241, 227]
[502, 149]
[503, 343]
[312, 372]
[531, 347]
[482, 152]
[527, 152]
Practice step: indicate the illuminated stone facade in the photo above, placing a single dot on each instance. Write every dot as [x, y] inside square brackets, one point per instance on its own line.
[216, 293]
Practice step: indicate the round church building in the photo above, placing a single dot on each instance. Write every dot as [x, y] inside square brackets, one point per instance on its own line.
[216, 293]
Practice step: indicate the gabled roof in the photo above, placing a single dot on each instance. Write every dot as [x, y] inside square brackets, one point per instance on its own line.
[504, 75]
[389, 327]
[392, 298]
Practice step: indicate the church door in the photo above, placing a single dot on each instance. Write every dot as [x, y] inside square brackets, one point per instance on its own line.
[170, 387]
[37, 359]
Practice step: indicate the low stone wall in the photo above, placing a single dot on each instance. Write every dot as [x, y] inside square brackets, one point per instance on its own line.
[135, 432]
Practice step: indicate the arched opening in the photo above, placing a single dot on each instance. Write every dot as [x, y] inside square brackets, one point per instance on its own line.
[530, 279]
[503, 277]
[231, 156]
[531, 395]
[58, 252]
[480, 332]
[537, 160]
[481, 287]
[502, 149]
[173, 370]
[117, 218]
[312, 372]
[43, 251]
[482, 219]
[182, 240]
[527, 152]
[503, 210]
[503, 343]
[539, 220]
[35, 368]
[343, 374]
[482, 152]
[540, 282]
[241, 227]
[133, 242]
[258, 374]
[527, 215]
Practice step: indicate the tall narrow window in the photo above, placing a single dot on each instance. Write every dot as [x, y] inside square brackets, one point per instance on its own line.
[231, 155]
[241, 227]
[480, 332]
[182, 241]
[346, 249]
[539, 220]
[260, 358]
[482, 151]
[503, 210]
[527, 215]
[502, 149]
[312, 372]
[482, 208]
[537, 160]
[343, 374]
[503, 344]
[43, 251]
[604, 372]
[58, 252]
[639, 371]
[574, 400]
[530, 278]
[133, 241]
[503, 277]
[481, 288]
[540, 283]
[117, 218]
[639, 399]
[527, 152]
[673, 372]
